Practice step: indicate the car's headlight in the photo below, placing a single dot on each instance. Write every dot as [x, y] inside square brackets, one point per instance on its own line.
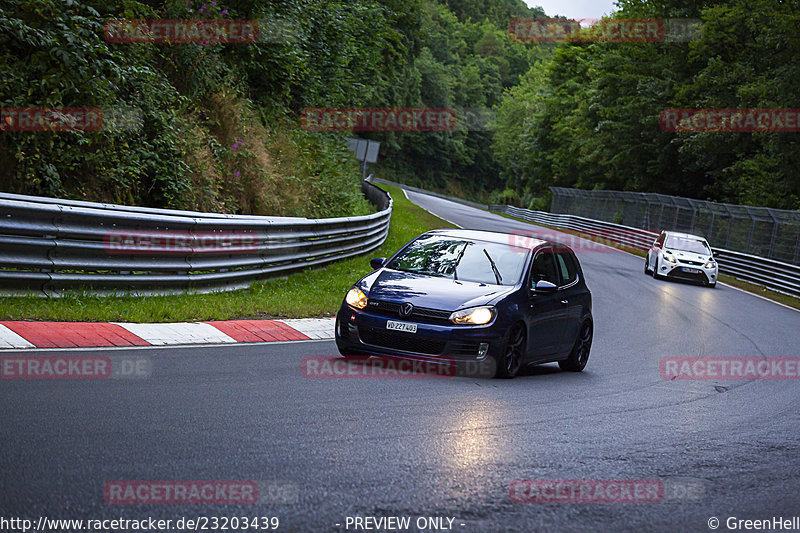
[356, 298]
[474, 315]
[710, 264]
[670, 258]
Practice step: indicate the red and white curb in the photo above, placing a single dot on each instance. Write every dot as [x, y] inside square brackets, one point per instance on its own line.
[17, 335]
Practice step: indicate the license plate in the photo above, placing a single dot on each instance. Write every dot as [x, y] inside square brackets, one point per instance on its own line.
[401, 326]
[690, 270]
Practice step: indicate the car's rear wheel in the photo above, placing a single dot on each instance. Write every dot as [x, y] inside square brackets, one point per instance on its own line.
[579, 355]
[509, 363]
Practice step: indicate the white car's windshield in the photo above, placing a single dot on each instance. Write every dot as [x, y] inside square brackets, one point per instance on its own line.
[686, 244]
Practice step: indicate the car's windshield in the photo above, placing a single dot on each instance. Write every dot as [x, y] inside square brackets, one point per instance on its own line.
[686, 244]
[462, 259]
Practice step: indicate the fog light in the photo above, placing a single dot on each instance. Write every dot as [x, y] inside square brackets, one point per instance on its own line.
[482, 349]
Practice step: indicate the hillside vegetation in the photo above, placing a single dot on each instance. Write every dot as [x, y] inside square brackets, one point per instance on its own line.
[219, 128]
[589, 116]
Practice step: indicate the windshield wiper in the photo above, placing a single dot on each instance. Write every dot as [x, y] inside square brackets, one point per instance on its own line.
[458, 260]
[494, 268]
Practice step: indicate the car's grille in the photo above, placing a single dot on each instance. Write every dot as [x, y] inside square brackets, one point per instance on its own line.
[463, 348]
[678, 273]
[421, 314]
[695, 263]
[408, 342]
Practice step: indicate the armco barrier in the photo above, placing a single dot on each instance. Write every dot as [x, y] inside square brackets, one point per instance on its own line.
[781, 277]
[49, 245]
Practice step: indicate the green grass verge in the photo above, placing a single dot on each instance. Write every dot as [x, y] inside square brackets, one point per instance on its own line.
[307, 293]
[760, 290]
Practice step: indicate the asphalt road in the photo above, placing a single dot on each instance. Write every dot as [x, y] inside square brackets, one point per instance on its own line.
[435, 447]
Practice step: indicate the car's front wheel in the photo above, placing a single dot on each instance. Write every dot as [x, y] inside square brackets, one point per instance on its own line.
[509, 363]
[579, 355]
[656, 275]
[647, 264]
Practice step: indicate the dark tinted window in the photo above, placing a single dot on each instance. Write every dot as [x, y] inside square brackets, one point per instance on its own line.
[544, 267]
[567, 267]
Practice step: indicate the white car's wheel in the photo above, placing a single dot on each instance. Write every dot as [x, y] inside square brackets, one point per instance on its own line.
[655, 271]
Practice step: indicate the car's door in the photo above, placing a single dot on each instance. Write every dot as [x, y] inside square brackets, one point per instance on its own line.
[545, 313]
[572, 297]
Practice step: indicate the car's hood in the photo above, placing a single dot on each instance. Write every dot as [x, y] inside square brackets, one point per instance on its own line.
[690, 256]
[429, 291]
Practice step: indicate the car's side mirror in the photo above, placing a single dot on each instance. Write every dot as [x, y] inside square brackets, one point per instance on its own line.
[656, 245]
[377, 262]
[544, 287]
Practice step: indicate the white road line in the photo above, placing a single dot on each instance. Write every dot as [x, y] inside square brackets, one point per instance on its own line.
[9, 339]
[178, 333]
[313, 328]
[405, 193]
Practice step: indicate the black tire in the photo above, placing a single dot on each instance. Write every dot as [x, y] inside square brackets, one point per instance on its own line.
[647, 264]
[509, 363]
[579, 355]
[656, 275]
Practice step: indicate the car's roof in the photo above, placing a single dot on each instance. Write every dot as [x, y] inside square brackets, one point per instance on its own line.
[523, 241]
[687, 235]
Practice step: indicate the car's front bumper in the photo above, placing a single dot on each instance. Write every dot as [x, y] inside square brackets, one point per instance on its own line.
[688, 272]
[364, 332]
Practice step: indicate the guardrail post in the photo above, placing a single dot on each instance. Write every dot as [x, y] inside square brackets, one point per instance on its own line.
[797, 247]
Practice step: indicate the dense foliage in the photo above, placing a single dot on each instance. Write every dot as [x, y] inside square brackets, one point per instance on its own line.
[219, 122]
[220, 125]
[219, 128]
[588, 117]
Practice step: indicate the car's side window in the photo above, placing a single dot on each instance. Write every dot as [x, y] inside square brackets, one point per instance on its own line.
[566, 265]
[544, 267]
[660, 240]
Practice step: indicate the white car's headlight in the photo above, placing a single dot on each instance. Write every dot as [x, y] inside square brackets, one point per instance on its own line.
[670, 258]
[356, 298]
[710, 264]
[474, 315]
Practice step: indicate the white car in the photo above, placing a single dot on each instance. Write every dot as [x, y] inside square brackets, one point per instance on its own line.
[682, 256]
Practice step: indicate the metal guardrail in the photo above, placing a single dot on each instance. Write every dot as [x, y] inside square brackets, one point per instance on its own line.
[775, 275]
[48, 246]
[758, 231]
